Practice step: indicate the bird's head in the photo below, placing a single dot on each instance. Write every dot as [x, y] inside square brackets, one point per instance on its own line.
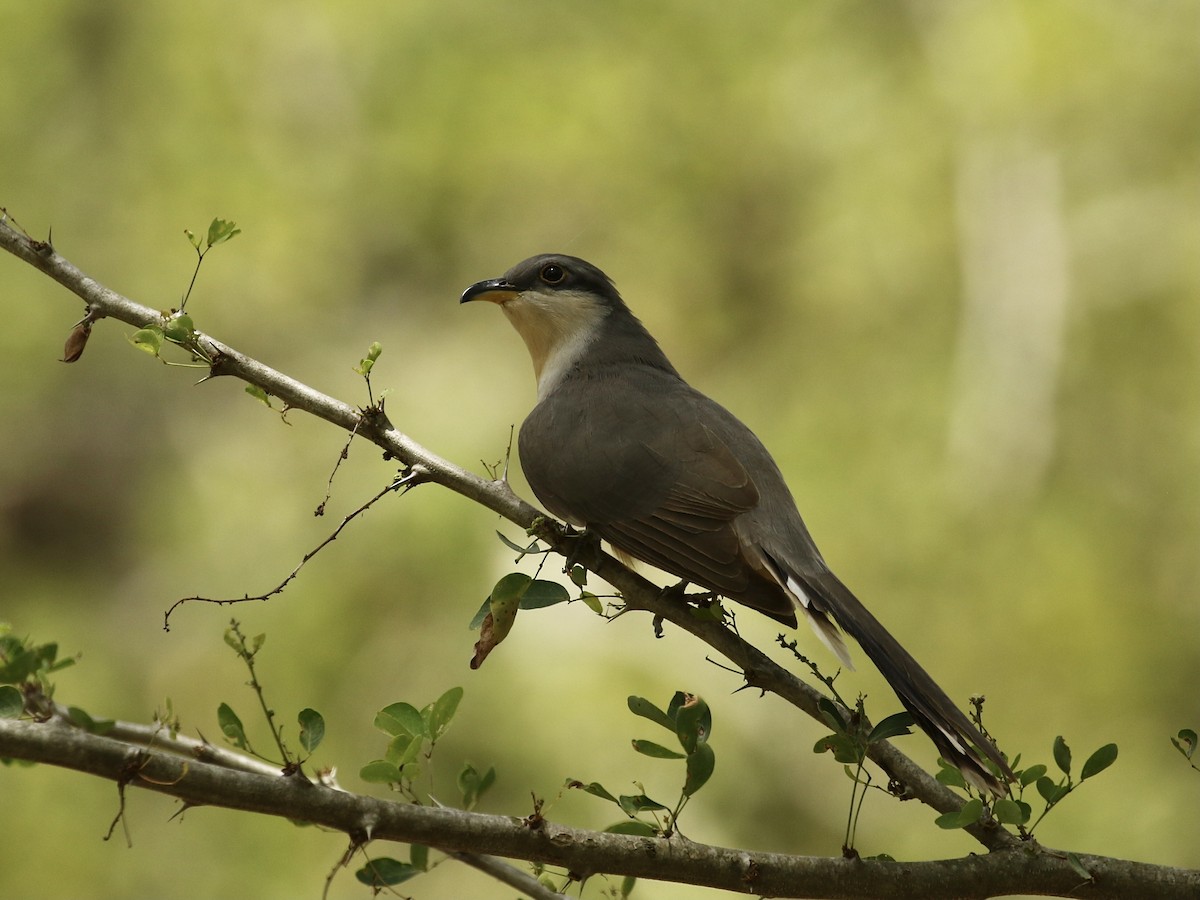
[558, 304]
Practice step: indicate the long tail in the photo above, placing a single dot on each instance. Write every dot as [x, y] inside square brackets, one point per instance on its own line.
[960, 743]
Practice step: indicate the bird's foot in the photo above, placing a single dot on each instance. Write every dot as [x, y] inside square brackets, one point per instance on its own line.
[706, 604]
[676, 592]
[584, 543]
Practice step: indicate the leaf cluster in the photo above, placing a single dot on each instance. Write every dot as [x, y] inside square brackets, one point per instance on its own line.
[1016, 810]
[311, 722]
[176, 326]
[412, 735]
[689, 719]
[850, 743]
[25, 670]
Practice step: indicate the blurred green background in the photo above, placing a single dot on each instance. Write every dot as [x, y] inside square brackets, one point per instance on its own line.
[941, 256]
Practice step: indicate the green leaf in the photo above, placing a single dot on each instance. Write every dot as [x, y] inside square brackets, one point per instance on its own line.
[1032, 774]
[21, 662]
[12, 702]
[61, 664]
[386, 872]
[401, 718]
[677, 700]
[831, 714]
[1009, 812]
[1062, 755]
[637, 803]
[403, 749]
[514, 585]
[947, 820]
[510, 589]
[627, 885]
[541, 594]
[484, 611]
[970, 813]
[578, 576]
[258, 394]
[640, 706]
[488, 779]
[845, 749]
[380, 771]
[693, 723]
[1098, 761]
[149, 339]
[473, 784]
[700, 764]
[592, 602]
[532, 547]
[709, 610]
[656, 751]
[440, 713]
[1186, 742]
[949, 775]
[1050, 791]
[312, 729]
[178, 328]
[231, 726]
[595, 788]
[634, 827]
[507, 597]
[397, 747]
[418, 855]
[893, 726]
[81, 718]
[220, 230]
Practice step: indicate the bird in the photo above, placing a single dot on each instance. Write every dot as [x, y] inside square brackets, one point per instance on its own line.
[620, 445]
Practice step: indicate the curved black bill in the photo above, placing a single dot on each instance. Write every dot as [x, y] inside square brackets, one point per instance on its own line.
[495, 289]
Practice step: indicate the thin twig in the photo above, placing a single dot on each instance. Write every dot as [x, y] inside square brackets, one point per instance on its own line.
[403, 483]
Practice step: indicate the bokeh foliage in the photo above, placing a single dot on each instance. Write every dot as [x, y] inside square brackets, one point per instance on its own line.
[942, 256]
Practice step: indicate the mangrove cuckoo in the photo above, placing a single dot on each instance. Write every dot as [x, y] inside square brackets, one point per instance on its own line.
[619, 444]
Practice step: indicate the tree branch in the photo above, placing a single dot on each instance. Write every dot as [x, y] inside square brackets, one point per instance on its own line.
[1020, 867]
[638, 593]
[1027, 869]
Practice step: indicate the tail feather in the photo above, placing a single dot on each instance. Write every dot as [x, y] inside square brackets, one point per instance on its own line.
[822, 597]
[825, 628]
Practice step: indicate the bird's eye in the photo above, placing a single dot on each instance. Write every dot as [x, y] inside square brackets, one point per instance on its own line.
[553, 274]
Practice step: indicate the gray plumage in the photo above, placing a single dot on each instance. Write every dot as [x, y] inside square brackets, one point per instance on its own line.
[620, 444]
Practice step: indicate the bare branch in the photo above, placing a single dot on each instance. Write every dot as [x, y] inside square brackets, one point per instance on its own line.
[1028, 869]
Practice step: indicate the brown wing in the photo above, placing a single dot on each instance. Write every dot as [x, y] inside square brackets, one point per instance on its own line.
[656, 480]
[688, 531]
